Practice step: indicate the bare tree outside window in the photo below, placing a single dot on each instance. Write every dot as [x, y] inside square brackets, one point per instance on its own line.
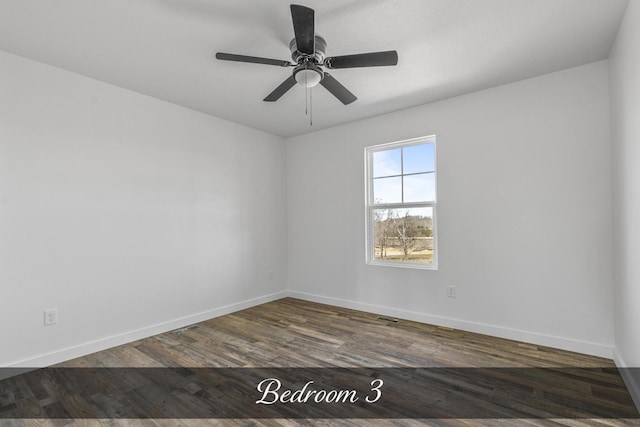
[404, 235]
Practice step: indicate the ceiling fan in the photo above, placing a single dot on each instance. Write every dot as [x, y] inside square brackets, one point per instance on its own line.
[308, 53]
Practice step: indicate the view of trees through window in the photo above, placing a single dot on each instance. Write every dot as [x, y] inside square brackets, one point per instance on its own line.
[401, 202]
[403, 234]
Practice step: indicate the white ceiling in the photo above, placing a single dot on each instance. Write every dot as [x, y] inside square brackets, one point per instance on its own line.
[165, 48]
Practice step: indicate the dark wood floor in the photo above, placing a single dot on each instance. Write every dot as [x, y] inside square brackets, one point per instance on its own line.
[293, 333]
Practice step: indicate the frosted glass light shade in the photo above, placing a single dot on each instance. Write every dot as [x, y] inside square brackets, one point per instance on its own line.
[308, 78]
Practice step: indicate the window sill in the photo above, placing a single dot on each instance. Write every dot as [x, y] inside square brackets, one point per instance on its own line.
[414, 266]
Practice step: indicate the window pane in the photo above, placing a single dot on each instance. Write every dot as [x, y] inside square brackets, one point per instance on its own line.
[420, 188]
[387, 190]
[387, 162]
[403, 235]
[419, 158]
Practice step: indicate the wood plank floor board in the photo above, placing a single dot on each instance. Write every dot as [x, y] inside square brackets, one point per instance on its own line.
[315, 423]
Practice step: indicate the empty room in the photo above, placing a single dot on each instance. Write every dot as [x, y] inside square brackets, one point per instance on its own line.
[339, 212]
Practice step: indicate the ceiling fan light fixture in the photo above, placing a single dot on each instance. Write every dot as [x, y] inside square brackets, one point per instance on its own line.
[308, 77]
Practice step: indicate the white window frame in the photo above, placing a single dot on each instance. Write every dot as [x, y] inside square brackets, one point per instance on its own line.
[371, 205]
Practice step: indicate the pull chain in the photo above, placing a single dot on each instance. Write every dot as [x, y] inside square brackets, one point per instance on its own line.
[311, 107]
[308, 101]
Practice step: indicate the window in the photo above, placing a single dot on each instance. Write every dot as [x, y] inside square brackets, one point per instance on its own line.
[401, 203]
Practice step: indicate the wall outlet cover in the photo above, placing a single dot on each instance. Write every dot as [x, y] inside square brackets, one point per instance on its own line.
[50, 316]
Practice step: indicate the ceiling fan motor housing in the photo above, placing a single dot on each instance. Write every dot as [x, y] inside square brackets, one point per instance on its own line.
[317, 57]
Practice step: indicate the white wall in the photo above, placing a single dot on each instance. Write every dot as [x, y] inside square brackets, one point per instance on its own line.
[128, 214]
[625, 121]
[524, 213]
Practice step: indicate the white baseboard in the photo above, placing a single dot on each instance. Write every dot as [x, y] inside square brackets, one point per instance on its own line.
[83, 349]
[631, 377]
[584, 347]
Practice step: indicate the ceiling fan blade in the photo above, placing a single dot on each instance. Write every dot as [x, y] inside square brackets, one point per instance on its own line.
[304, 28]
[252, 59]
[337, 90]
[373, 59]
[281, 90]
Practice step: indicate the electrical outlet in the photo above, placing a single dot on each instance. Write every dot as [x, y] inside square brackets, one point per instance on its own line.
[50, 316]
[270, 275]
[451, 291]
